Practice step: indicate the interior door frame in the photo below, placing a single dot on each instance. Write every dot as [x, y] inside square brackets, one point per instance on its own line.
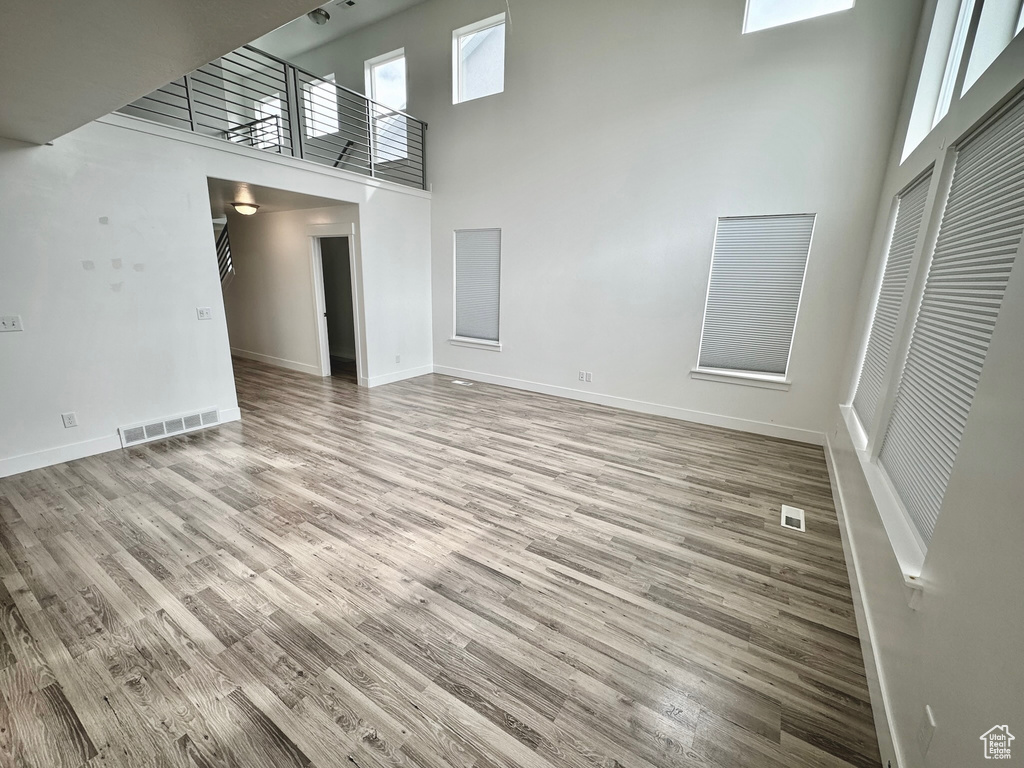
[355, 278]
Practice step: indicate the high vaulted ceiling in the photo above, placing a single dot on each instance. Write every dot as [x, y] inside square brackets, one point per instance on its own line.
[63, 64]
[302, 35]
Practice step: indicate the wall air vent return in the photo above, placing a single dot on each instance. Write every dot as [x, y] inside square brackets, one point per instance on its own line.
[172, 425]
[133, 435]
[793, 518]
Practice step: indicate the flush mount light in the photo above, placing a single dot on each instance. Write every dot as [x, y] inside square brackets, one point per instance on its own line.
[246, 209]
[318, 16]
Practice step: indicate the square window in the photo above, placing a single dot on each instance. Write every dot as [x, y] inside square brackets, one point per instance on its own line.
[478, 59]
[764, 14]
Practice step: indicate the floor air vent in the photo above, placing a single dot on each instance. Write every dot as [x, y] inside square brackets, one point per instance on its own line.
[793, 518]
[173, 425]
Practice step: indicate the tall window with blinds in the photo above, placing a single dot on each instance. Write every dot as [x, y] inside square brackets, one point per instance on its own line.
[978, 241]
[909, 214]
[477, 284]
[757, 275]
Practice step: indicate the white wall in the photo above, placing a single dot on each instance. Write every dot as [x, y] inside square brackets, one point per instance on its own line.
[119, 345]
[624, 131]
[270, 304]
[962, 651]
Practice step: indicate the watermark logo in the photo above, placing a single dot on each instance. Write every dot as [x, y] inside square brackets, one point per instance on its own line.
[997, 742]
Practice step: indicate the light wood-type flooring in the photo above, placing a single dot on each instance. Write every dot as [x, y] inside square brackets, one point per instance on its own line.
[430, 575]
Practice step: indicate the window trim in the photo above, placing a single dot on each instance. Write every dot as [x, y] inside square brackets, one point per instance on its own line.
[457, 35]
[727, 374]
[469, 341]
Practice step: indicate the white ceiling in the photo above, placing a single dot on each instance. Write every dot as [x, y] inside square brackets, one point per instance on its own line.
[63, 64]
[301, 35]
[270, 200]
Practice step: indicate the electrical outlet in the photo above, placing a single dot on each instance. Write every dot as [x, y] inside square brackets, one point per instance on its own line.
[590, 377]
[204, 313]
[69, 419]
[398, 358]
[11, 323]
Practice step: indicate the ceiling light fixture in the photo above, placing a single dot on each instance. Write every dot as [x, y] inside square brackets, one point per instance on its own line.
[246, 209]
[318, 16]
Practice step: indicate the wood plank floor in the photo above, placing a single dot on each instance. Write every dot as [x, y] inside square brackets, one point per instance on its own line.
[428, 575]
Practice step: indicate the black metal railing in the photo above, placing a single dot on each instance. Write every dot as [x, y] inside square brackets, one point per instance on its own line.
[253, 98]
[225, 264]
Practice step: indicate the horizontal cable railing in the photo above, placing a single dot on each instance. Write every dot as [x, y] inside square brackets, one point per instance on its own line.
[258, 100]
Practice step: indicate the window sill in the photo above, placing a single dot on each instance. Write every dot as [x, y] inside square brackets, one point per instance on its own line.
[458, 341]
[906, 544]
[763, 380]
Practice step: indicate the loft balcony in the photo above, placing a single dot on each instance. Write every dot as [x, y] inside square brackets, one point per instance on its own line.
[252, 98]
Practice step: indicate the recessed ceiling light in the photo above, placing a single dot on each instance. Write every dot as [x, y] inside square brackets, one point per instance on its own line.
[246, 209]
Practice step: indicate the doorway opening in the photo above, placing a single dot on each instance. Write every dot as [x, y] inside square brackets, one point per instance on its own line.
[338, 332]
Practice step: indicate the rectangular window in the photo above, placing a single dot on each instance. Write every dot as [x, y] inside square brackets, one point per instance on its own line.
[268, 130]
[757, 275]
[477, 284]
[909, 214]
[953, 62]
[478, 59]
[320, 107]
[977, 244]
[763, 14]
[386, 86]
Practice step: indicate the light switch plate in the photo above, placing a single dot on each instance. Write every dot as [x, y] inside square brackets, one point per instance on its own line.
[11, 323]
[204, 313]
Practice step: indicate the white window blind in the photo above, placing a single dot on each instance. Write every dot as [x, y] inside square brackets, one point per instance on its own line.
[477, 283]
[978, 241]
[909, 214]
[757, 274]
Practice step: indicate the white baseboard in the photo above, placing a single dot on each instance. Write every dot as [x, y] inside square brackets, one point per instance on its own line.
[640, 406]
[15, 465]
[390, 378]
[230, 414]
[881, 705]
[278, 362]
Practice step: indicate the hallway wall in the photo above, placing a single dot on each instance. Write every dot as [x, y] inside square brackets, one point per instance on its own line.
[270, 305]
[106, 254]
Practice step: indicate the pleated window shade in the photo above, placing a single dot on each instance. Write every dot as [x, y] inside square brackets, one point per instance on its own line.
[477, 283]
[974, 254]
[909, 214]
[757, 274]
